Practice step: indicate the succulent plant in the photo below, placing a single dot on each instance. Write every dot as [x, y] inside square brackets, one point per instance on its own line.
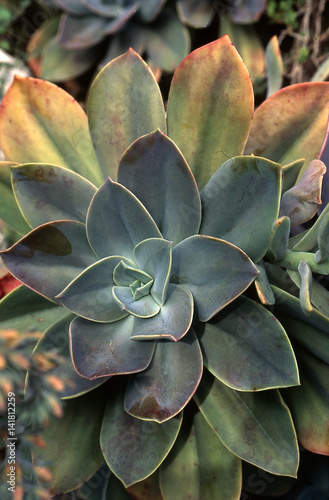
[155, 249]
[70, 42]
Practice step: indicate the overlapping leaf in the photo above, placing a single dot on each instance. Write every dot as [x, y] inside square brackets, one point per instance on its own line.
[207, 118]
[164, 389]
[133, 448]
[124, 100]
[34, 128]
[241, 202]
[247, 332]
[215, 271]
[154, 170]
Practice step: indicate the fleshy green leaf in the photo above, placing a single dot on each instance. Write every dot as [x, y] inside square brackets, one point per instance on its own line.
[248, 44]
[195, 13]
[263, 287]
[314, 338]
[289, 304]
[50, 257]
[149, 9]
[76, 432]
[279, 239]
[167, 41]
[167, 385]
[154, 170]
[301, 202]
[310, 238]
[103, 349]
[256, 427]
[124, 103]
[241, 202]
[291, 173]
[322, 253]
[26, 311]
[117, 221]
[40, 122]
[57, 337]
[305, 287]
[200, 467]
[296, 117]
[47, 193]
[133, 448]
[59, 64]
[81, 32]
[9, 212]
[247, 349]
[145, 307]
[215, 271]
[172, 321]
[210, 106]
[155, 256]
[274, 66]
[309, 403]
[89, 295]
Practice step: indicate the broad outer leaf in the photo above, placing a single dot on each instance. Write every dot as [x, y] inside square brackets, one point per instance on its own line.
[75, 434]
[166, 386]
[215, 271]
[309, 403]
[124, 103]
[40, 122]
[241, 202]
[133, 448]
[200, 467]
[247, 348]
[290, 124]
[47, 193]
[210, 107]
[156, 172]
[256, 427]
[117, 221]
[50, 257]
[26, 311]
[9, 212]
[57, 338]
[103, 349]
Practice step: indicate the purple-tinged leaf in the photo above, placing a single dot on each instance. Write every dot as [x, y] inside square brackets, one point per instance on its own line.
[104, 349]
[133, 448]
[167, 385]
[50, 257]
[46, 193]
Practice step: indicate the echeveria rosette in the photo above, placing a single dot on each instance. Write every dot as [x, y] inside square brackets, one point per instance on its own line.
[127, 284]
[209, 115]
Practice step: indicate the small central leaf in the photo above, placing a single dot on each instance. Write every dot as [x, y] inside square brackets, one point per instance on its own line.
[139, 289]
[125, 275]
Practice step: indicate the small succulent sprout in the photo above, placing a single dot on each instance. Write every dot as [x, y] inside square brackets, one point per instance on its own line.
[302, 201]
[263, 287]
[280, 237]
[305, 287]
[323, 240]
